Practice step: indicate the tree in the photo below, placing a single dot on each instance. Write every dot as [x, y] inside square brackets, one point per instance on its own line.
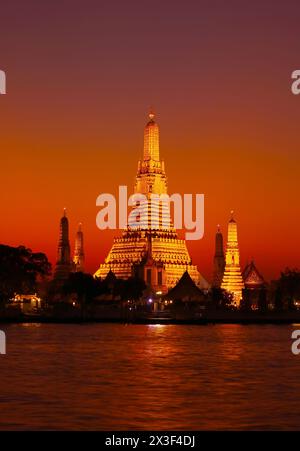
[289, 284]
[216, 295]
[132, 288]
[246, 300]
[83, 285]
[21, 270]
[262, 300]
[227, 300]
[220, 299]
[278, 302]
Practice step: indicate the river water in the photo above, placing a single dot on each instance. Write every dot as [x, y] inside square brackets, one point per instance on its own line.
[145, 377]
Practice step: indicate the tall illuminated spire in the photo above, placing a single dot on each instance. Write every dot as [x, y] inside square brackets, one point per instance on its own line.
[153, 251]
[78, 258]
[232, 279]
[63, 264]
[151, 140]
[219, 259]
[151, 177]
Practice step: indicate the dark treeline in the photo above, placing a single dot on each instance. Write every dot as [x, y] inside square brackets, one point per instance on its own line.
[21, 270]
[25, 272]
[87, 288]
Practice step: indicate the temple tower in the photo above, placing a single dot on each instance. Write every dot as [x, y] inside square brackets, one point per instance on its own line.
[153, 250]
[219, 260]
[78, 259]
[151, 177]
[151, 140]
[232, 279]
[63, 264]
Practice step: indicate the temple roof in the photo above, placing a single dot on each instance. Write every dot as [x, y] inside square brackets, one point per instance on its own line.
[252, 277]
[186, 289]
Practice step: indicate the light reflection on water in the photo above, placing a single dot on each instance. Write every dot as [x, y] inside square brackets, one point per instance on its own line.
[111, 376]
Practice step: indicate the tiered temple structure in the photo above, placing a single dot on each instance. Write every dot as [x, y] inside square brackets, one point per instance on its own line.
[152, 251]
[78, 259]
[219, 260]
[63, 265]
[232, 279]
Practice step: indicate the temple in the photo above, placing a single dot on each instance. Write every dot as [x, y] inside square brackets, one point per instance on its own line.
[219, 260]
[254, 293]
[63, 264]
[253, 280]
[153, 251]
[78, 259]
[232, 279]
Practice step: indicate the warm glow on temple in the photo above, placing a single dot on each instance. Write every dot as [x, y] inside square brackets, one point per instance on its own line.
[232, 279]
[78, 259]
[153, 252]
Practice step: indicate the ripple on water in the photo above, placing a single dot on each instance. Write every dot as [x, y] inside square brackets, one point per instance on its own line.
[111, 376]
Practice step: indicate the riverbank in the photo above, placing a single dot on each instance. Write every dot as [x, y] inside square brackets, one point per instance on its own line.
[213, 317]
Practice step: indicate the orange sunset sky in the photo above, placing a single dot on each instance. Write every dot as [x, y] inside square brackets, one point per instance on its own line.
[81, 77]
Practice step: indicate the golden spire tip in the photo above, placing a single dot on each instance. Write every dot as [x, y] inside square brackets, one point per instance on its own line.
[151, 114]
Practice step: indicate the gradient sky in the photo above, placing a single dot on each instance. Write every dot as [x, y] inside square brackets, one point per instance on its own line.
[80, 79]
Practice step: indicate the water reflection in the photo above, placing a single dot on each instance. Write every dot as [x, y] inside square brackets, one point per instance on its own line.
[230, 342]
[110, 376]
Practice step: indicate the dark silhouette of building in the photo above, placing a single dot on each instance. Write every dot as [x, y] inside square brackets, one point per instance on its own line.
[186, 290]
[63, 264]
[219, 260]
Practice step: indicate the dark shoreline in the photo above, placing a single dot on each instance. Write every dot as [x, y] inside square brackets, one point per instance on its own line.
[169, 321]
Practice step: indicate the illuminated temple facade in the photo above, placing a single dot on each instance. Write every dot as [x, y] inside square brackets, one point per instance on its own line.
[78, 259]
[232, 278]
[153, 251]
